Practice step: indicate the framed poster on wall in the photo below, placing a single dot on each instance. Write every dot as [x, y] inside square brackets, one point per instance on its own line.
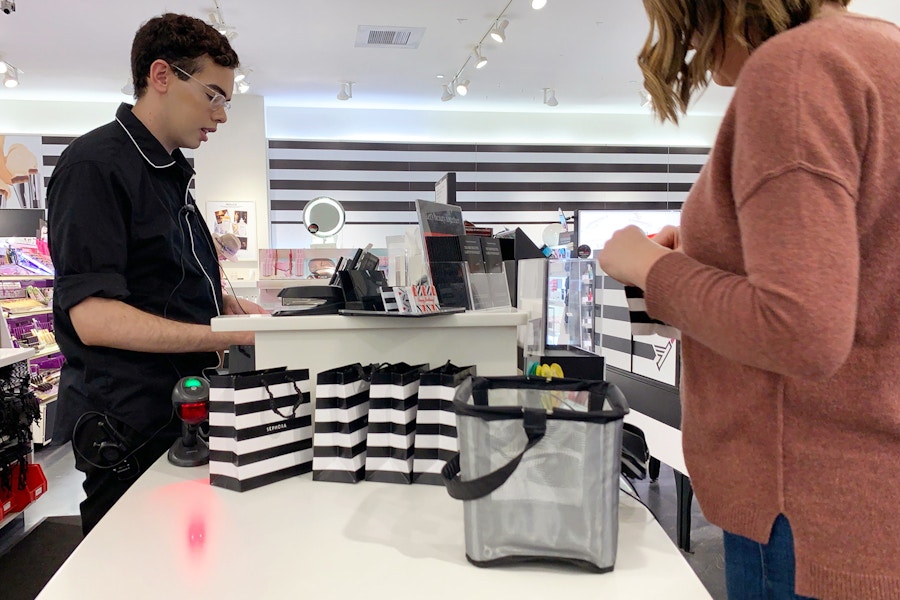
[237, 219]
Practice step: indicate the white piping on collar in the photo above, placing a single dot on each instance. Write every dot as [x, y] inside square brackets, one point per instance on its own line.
[133, 141]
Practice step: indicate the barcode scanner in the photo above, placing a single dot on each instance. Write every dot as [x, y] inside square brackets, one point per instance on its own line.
[190, 397]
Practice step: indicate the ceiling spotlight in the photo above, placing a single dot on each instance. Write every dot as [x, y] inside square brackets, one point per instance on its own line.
[498, 33]
[11, 78]
[346, 91]
[216, 20]
[480, 60]
[550, 97]
[645, 98]
[3, 67]
[243, 87]
[538, 4]
[128, 89]
[8, 6]
[462, 88]
[240, 75]
[447, 93]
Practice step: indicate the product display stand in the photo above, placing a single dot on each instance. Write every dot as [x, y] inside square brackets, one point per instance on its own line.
[13, 379]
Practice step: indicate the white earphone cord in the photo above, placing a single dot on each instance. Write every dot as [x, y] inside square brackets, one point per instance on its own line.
[187, 190]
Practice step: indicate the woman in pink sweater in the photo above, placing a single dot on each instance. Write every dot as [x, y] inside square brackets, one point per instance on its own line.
[785, 282]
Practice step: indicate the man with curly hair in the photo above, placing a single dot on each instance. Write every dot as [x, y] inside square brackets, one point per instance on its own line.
[137, 278]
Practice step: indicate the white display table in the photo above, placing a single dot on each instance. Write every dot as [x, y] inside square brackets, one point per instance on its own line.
[321, 342]
[172, 535]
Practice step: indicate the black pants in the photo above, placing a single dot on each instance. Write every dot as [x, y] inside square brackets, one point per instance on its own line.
[105, 486]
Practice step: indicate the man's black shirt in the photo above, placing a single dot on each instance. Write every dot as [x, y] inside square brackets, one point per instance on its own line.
[122, 226]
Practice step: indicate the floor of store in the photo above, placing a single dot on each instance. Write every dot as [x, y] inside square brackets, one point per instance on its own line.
[64, 493]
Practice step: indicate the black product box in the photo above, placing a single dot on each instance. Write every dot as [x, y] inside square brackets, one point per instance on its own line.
[362, 289]
[449, 280]
[443, 248]
[512, 272]
[493, 258]
[516, 245]
[456, 248]
[576, 363]
[470, 246]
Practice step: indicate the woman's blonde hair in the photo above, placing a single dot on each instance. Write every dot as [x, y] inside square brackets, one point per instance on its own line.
[670, 78]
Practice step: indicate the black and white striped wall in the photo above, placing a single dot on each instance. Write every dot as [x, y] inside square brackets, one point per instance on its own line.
[498, 185]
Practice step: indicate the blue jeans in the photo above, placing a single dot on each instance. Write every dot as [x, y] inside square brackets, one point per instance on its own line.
[755, 571]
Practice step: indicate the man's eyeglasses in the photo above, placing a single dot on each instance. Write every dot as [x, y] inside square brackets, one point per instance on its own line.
[216, 100]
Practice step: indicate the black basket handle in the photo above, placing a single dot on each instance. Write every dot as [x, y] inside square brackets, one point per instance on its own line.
[535, 424]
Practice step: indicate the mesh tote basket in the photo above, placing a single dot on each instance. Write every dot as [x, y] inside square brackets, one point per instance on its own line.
[538, 470]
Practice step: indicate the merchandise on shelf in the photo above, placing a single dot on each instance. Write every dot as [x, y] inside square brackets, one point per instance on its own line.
[25, 256]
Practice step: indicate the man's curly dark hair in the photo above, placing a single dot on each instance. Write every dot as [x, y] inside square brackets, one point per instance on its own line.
[178, 40]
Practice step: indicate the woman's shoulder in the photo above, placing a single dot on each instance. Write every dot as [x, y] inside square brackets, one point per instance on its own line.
[846, 35]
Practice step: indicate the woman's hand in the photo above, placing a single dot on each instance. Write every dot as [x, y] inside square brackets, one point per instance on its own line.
[629, 254]
[669, 237]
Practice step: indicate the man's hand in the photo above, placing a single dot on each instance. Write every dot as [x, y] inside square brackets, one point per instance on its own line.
[240, 306]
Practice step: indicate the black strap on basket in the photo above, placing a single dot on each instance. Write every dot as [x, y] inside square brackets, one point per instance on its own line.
[535, 424]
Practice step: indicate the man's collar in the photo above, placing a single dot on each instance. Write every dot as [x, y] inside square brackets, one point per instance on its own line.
[150, 147]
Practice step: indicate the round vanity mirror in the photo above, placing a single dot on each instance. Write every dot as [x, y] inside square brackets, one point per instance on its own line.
[323, 216]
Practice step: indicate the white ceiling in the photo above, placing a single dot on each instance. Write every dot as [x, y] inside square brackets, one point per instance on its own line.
[300, 50]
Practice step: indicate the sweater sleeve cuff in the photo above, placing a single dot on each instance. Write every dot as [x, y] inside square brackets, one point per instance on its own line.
[662, 279]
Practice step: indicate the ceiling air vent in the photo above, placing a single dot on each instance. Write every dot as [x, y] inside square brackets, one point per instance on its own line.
[368, 36]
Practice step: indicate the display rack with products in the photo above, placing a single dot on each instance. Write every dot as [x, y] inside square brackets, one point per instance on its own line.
[21, 481]
[27, 322]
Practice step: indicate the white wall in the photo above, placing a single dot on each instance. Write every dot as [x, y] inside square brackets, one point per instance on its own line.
[53, 118]
[349, 124]
[232, 166]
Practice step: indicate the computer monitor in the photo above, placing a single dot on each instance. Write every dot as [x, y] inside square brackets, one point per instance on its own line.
[21, 222]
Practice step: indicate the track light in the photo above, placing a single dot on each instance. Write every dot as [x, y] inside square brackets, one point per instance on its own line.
[243, 86]
[11, 77]
[346, 91]
[550, 97]
[447, 93]
[218, 22]
[240, 75]
[480, 60]
[645, 98]
[462, 88]
[9, 74]
[538, 4]
[498, 33]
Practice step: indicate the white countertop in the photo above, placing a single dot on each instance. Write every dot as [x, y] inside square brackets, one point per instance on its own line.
[9, 356]
[174, 536]
[487, 318]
